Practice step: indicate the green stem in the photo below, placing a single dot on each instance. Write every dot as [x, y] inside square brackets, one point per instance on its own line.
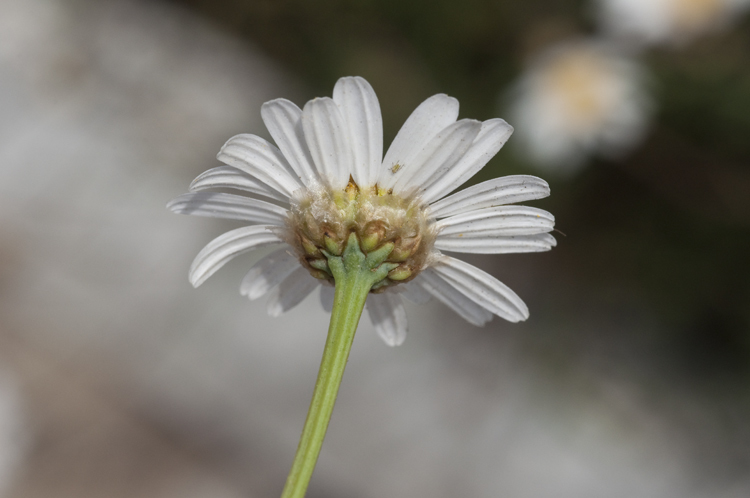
[354, 274]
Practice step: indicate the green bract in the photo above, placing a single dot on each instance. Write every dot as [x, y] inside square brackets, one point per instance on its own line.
[322, 222]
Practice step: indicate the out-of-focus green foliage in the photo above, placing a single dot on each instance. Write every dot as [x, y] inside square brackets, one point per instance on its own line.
[470, 49]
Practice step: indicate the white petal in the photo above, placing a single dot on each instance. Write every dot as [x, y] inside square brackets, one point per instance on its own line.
[496, 245]
[260, 159]
[267, 273]
[427, 120]
[328, 141]
[495, 192]
[327, 293]
[284, 122]
[451, 297]
[388, 315]
[292, 291]
[228, 206]
[437, 157]
[497, 221]
[482, 288]
[230, 177]
[413, 292]
[491, 138]
[361, 113]
[223, 248]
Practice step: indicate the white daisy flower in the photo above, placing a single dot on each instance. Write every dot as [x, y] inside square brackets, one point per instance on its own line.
[576, 99]
[655, 21]
[325, 185]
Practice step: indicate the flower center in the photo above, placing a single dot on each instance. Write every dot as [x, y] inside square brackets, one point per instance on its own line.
[395, 228]
[582, 82]
[690, 14]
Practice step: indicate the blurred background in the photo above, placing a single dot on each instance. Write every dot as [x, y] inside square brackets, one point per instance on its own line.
[631, 378]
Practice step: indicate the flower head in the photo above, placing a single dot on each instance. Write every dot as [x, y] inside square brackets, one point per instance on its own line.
[576, 99]
[654, 21]
[325, 184]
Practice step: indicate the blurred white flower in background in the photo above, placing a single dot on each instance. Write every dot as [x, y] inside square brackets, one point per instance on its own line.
[655, 21]
[577, 99]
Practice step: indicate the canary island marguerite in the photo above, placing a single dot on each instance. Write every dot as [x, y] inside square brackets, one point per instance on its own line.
[368, 230]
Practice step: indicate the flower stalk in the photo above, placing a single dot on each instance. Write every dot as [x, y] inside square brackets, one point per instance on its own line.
[354, 274]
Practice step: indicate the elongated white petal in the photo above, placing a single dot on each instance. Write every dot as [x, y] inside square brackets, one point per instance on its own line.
[495, 192]
[232, 178]
[361, 113]
[453, 298]
[437, 157]
[497, 221]
[292, 291]
[496, 245]
[413, 292]
[388, 315]
[491, 138]
[267, 273]
[228, 206]
[427, 120]
[328, 141]
[284, 122]
[260, 159]
[482, 288]
[223, 248]
[326, 297]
